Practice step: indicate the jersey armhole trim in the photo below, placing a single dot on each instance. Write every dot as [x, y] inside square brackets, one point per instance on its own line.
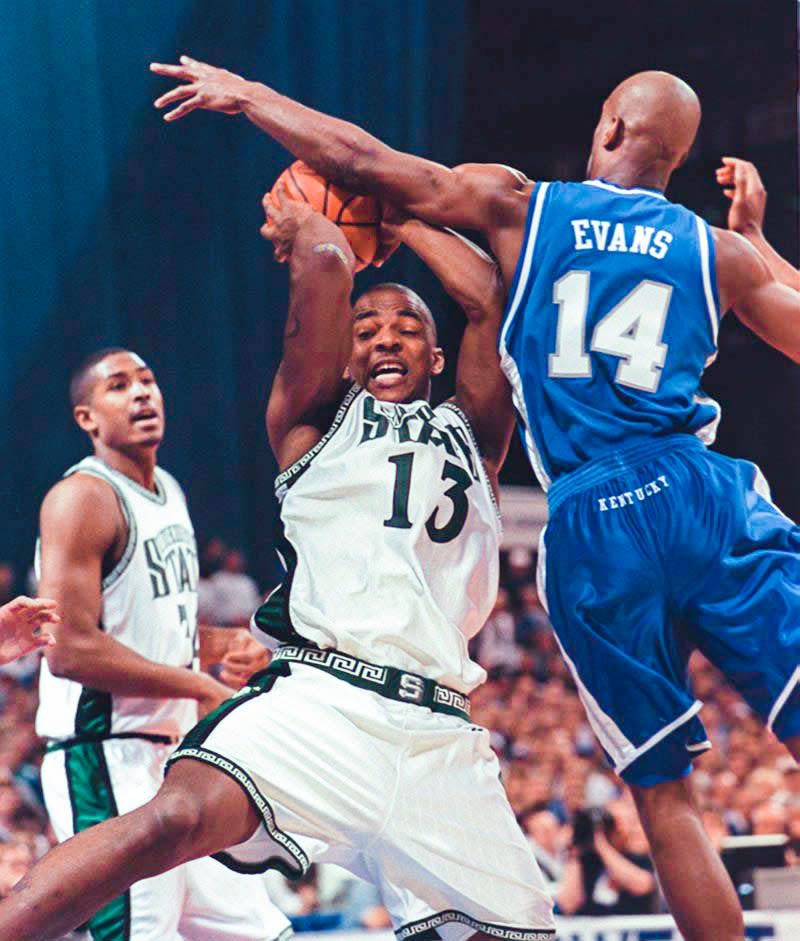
[130, 546]
[455, 407]
[706, 256]
[286, 478]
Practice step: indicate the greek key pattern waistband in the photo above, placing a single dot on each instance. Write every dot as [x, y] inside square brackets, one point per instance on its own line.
[386, 681]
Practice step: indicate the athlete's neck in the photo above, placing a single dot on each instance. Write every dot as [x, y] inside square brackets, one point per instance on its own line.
[139, 465]
[630, 175]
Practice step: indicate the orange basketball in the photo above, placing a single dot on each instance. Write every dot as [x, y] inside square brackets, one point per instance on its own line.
[359, 217]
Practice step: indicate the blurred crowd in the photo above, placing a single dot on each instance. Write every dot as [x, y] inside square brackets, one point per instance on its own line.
[579, 818]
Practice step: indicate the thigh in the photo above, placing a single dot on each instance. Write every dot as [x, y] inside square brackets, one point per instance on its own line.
[221, 905]
[452, 857]
[745, 610]
[302, 753]
[607, 588]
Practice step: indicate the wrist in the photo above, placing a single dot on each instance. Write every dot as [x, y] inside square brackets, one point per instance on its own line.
[251, 94]
[749, 229]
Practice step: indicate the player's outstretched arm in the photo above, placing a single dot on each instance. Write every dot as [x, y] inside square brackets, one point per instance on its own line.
[741, 183]
[24, 624]
[318, 333]
[472, 279]
[473, 196]
[80, 524]
[768, 307]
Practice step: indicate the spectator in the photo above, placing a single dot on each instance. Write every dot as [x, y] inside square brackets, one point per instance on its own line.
[532, 618]
[609, 871]
[548, 839]
[497, 648]
[16, 858]
[230, 595]
[8, 579]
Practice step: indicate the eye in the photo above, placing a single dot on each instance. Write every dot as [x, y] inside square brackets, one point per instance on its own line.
[364, 334]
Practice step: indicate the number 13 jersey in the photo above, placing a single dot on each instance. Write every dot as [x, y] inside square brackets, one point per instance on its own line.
[390, 540]
[611, 320]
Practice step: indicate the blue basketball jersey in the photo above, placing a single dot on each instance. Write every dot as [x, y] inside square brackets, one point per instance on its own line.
[611, 320]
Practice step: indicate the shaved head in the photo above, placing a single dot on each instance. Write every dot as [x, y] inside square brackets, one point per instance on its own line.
[647, 127]
[410, 299]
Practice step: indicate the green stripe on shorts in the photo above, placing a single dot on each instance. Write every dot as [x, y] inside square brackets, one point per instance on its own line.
[92, 800]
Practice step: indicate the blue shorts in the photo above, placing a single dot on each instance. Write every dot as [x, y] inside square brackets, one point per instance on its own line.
[652, 552]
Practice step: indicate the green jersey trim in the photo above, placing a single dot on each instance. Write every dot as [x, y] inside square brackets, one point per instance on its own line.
[454, 407]
[288, 477]
[93, 715]
[92, 800]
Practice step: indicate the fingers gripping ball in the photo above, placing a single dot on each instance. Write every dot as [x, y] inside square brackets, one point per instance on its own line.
[359, 217]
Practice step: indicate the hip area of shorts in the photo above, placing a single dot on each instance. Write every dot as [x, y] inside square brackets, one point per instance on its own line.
[307, 687]
[618, 464]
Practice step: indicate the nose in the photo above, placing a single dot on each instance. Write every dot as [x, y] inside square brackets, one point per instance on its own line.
[140, 391]
[388, 343]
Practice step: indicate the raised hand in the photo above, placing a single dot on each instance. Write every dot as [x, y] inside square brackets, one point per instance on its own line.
[206, 87]
[23, 626]
[284, 216]
[741, 183]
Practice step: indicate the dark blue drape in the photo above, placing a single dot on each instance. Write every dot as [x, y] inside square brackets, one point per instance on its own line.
[119, 229]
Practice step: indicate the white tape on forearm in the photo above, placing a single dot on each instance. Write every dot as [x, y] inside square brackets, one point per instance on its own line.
[329, 247]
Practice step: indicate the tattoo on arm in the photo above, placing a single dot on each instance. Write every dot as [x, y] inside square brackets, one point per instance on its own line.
[330, 248]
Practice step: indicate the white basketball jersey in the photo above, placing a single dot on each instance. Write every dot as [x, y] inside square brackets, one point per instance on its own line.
[149, 603]
[390, 539]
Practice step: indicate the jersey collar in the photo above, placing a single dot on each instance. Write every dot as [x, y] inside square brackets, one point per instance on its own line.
[636, 191]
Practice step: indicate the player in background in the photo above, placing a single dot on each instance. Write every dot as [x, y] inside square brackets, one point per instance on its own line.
[613, 314]
[117, 553]
[354, 746]
[24, 626]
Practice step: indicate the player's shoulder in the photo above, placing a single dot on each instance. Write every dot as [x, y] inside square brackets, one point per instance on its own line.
[503, 189]
[81, 506]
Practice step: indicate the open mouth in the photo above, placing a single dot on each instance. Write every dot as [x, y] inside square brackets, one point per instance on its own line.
[147, 415]
[388, 373]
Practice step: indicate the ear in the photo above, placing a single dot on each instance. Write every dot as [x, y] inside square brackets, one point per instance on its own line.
[83, 416]
[437, 364]
[614, 133]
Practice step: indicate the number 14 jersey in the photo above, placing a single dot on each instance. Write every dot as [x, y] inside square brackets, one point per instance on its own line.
[611, 320]
[390, 540]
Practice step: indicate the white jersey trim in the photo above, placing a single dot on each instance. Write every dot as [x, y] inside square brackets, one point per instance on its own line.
[623, 191]
[507, 363]
[705, 264]
[781, 701]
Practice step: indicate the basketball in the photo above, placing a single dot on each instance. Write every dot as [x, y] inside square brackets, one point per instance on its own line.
[359, 217]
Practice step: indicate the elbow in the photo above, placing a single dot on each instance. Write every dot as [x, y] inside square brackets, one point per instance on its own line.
[66, 662]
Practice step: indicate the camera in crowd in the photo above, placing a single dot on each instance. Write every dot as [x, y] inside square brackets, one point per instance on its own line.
[587, 822]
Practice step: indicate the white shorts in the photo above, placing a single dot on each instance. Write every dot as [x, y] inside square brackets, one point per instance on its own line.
[408, 799]
[198, 901]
